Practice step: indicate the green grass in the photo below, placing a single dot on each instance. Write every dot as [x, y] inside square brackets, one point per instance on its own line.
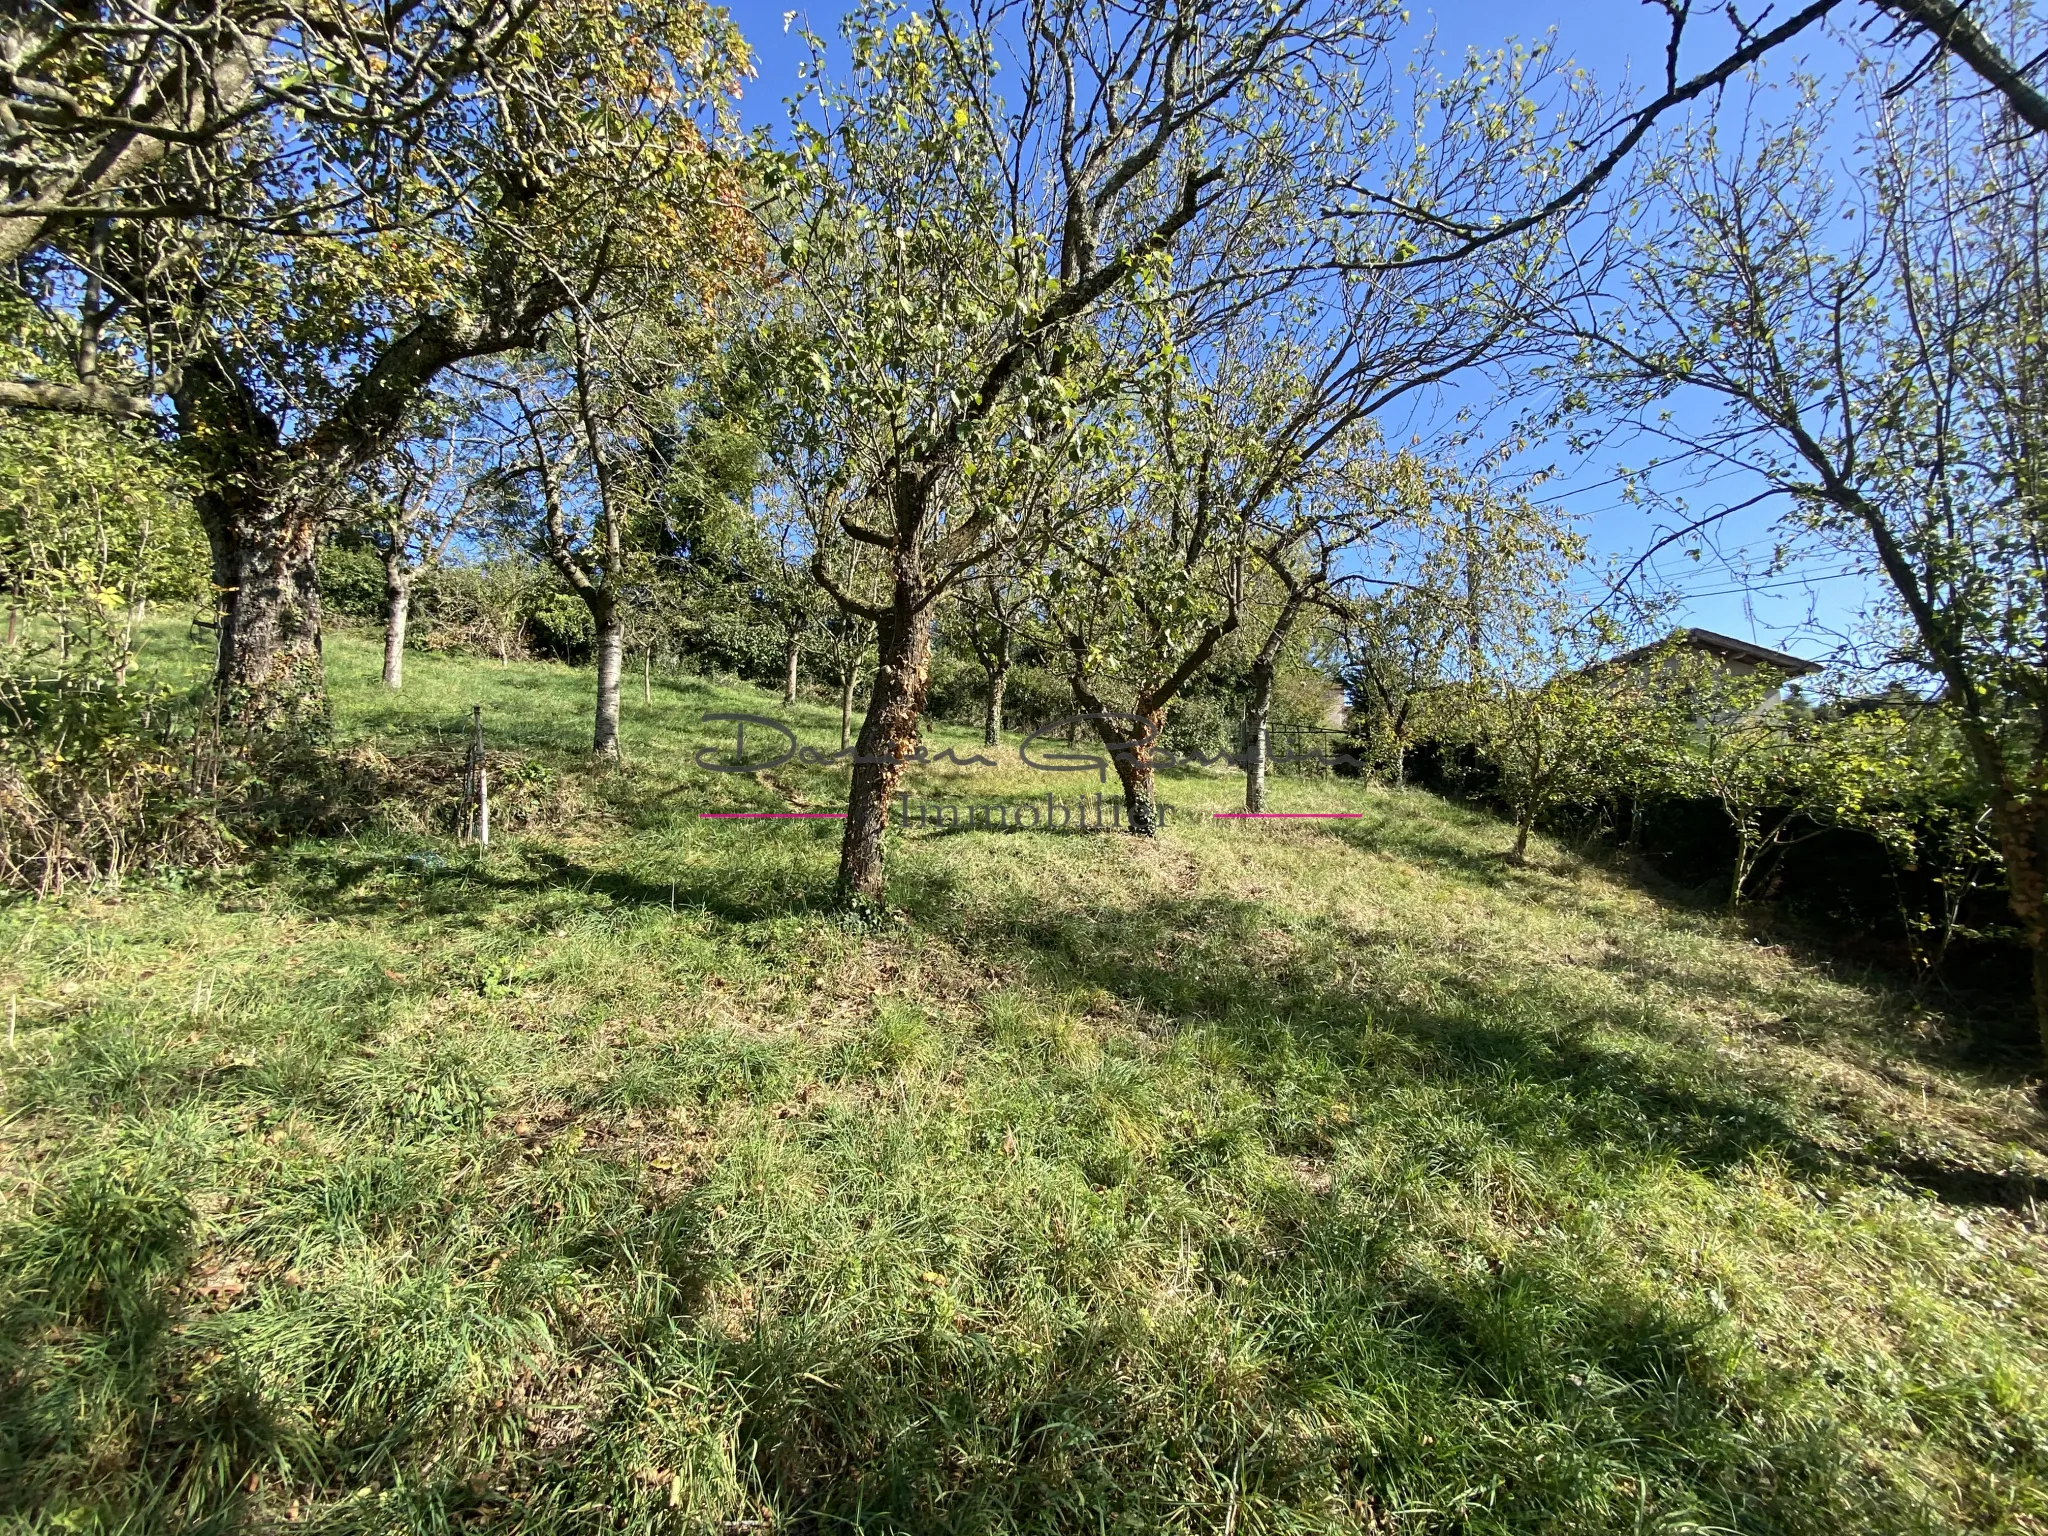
[1268, 1177]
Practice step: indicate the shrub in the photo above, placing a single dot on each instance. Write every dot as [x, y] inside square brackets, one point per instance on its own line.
[96, 777]
[351, 583]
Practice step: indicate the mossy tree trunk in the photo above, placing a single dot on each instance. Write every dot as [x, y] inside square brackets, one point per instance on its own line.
[889, 732]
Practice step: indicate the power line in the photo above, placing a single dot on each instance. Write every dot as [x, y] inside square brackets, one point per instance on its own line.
[1635, 474]
[1773, 586]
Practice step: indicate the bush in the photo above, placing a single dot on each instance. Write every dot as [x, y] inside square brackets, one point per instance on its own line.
[96, 778]
[92, 518]
[352, 582]
[560, 626]
[957, 691]
[1201, 723]
[483, 609]
[1032, 696]
[1035, 697]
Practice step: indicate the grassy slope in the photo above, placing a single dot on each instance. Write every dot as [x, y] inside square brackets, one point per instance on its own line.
[1326, 1176]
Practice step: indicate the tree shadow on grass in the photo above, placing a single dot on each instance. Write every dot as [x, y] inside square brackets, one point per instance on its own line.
[1346, 1379]
[1353, 1386]
[1534, 1052]
[1991, 1037]
[340, 884]
[1521, 1050]
[1342, 1384]
[99, 1391]
[1988, 1039]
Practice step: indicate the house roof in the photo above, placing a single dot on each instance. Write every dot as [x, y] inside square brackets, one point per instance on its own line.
[1732, 649]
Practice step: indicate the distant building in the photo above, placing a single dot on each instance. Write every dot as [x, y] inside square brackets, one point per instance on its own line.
[1336, 707]
[1740, 657]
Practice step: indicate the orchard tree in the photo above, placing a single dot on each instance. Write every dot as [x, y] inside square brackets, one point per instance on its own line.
[1312, 544]
[1706, 731]
[574, 514]
[281, 296]
[988, 617]
[1528, 689]
[1253, 406]
[848, 575]
[432, 488]
[847, 643]
[1884, 374]
[776, 575]
[1138, 590]
[1552, 740]
[1395, 646]
[589, 426]
[966, 260]
[1466, 590]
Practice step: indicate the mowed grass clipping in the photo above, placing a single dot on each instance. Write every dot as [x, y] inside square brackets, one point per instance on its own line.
[1317, 1176]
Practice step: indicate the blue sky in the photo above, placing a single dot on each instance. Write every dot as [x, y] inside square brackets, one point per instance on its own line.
[1808, 609]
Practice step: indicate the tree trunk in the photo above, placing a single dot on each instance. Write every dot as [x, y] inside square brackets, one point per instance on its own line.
[1745, 857]
[888, 735]
[270, 673]
[647, 675]
[2023, 840]
[847, 680]
[1400, 764]
[1256, 718]
[1523, 823]
[992, 718]
[790, 653]
[397, 608]
[611, 655]
[2040, 944]
[1134, 767]
[261, 507]
[138, 609]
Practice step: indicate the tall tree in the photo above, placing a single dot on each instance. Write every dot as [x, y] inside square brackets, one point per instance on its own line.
[1888, 376]
[432, 488]
[959, 254]
[282, 316]
[987, 618]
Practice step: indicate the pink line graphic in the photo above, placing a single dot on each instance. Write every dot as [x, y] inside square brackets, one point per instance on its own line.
[1291, 815]
[768, 815]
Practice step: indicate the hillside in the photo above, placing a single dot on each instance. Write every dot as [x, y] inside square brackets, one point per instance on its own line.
[1279, 1176]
